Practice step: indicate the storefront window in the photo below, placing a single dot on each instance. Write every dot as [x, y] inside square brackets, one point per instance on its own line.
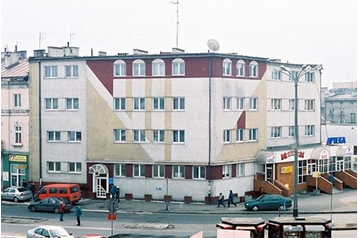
[17, 175]
[302, 171]
[347, 162]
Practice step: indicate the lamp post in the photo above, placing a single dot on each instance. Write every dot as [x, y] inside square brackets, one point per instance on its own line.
[295, 78]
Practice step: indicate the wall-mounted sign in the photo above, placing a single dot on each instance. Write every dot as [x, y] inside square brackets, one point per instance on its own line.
[22, 166]
[349, 151]
[270, 158]
[336, 140]
[17, 158]
[286, 170]
[300, 154]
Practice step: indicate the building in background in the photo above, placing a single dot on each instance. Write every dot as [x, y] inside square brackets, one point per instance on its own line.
[14, 118]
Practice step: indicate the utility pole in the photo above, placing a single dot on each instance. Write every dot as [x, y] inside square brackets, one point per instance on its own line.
[177, 35]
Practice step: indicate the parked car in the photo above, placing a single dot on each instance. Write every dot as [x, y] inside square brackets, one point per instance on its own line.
[268, 202]
[48, 231]
[49, 205]
[16, 193]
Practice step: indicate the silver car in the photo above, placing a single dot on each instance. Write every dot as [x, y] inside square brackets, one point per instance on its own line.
[16, 194]
[49, 232]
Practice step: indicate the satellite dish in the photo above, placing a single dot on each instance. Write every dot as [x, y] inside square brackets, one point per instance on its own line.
[213, 45]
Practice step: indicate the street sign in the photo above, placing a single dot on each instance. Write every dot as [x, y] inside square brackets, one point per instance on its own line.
[112, 206]
[112, 216]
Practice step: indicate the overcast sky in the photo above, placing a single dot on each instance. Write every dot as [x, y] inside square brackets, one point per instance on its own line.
[299, 31]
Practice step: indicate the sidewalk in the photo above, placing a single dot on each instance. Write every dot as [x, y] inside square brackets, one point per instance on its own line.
[344, 202]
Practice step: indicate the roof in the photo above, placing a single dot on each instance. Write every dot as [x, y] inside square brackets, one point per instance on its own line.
[18, 70]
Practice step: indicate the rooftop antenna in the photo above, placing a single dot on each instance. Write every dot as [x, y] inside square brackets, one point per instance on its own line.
[71, 34]
[41, 37]
[177, 4]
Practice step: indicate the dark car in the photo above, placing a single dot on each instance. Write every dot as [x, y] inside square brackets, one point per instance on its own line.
[50, 204]
[16, 193]
[268, 202]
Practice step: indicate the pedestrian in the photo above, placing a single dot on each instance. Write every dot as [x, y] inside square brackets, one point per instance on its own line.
[24, 183]
[231, 199]
[78, 213]
[221, 200]
[113, 192]
[117, 193]
[61, 209]
[31, 187]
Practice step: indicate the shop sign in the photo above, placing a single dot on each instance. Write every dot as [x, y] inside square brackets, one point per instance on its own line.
[349, 151]
[285, 155]
[270, 159]
[17, 158]
[316, 174]
[336, 140]
[286, 170]
[22, 166]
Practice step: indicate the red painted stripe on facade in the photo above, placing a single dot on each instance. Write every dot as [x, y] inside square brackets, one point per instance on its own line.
[103, 69]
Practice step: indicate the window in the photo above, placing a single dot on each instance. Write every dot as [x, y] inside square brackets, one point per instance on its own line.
[240, 68]
[239, 135]
[54, 167]
[309, 77]
[74, 136]
[72, 104]
[138, 68]
[302, 170]
[240, 170]
[139, 135]
[253, 103]
[276, 104]
[226, 103]
[276, 74]
[291, 131]
[54, 136]
[178, 67]
[178, 103]
[17, 100]
[158, 171]
[291, 104]
[309, 105]
[119, 68]
[139, 103]
[178, 136]
[119, 135]
[71, 71]
[119, 170]
[17, 134]
[309, 130]
[119, 104]
[199, 172]
[158, 136]
[158, 104]
[353, 118]
[75, 167]
[227, 136]
[51, 103]
[51, 72]
[226, 171]
[139, 170]
[227, 65]
[240, 103]
[178, 171]
[253, 69]
[158, 67]
[276, 132]
[253, 134]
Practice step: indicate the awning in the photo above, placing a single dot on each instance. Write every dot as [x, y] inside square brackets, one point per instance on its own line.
[320, 153]
[265, 157]
[344, 151]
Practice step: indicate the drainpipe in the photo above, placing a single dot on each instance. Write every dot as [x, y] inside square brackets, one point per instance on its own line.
[209, 162]
[40, 128]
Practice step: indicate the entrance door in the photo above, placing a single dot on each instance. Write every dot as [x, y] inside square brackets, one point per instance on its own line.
[340, 165]
[101, 185]
[311, 167]
[269, 175]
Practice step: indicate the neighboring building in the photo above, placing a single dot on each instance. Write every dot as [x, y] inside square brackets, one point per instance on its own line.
[14, 118]
[178, 124]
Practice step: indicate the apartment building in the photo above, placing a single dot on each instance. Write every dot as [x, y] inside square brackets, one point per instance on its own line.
[14, 118]
[181, 125]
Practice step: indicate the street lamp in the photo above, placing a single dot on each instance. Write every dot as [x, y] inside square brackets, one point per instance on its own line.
[295, 78]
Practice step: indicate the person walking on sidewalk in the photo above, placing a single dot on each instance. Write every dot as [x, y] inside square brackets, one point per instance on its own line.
[78, 213]
[221, 200]
[231, 199]
[61, 209]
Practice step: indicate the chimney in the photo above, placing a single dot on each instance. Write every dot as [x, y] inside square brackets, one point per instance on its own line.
[139, 52]
[15, 48]
[102, 53]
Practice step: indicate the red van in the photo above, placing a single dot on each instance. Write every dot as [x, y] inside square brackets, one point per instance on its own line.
[71, 192]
